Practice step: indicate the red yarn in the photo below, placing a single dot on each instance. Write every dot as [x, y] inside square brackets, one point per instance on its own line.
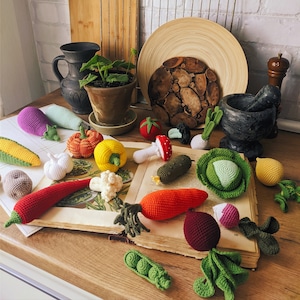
[201, 230]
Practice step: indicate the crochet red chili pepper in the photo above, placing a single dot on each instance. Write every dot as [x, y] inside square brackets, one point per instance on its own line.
[33, 205]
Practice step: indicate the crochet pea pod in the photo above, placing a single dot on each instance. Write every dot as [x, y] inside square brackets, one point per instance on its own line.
[32, 120]
[143, 266]
[13, 153]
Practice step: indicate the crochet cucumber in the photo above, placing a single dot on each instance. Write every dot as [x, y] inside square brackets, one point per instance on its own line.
[14, 153]
[63, 117]
[173, 169]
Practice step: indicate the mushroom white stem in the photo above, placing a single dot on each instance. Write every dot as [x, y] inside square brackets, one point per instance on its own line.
[142, 155]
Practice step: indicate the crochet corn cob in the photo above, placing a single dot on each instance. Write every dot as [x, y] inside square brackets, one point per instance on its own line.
[13, 153]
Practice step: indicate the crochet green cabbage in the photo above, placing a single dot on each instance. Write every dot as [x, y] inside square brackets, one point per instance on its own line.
[224, 172]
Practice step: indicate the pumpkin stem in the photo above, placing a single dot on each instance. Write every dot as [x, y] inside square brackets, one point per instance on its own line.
[115, 159]
[82, 133]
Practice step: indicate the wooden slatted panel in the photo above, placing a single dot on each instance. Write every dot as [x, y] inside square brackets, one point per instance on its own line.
[85, 20]
[113, 24]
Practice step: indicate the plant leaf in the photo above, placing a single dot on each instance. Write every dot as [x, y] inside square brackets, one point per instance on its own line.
[92, 64]
[113, 77]
[87, 80]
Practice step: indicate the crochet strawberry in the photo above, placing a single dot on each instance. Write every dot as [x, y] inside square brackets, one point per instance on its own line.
[150, 128]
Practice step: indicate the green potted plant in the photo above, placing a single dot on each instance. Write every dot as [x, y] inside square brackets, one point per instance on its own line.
[109, 86]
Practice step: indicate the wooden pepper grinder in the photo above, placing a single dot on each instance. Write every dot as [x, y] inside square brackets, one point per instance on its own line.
[277, 68]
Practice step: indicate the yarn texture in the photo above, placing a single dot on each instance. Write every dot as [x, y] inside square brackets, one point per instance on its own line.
[222, 270]
[143, 266]
[265, 241]
[227, 215]
[224, 172]
[17, 184]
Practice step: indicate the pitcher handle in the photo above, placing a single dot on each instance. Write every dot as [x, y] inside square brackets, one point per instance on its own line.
[55, 67]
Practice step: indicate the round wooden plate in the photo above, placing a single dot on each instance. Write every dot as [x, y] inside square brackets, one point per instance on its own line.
[201, 39]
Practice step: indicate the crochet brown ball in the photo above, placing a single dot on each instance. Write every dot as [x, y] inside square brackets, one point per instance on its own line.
[201, 230]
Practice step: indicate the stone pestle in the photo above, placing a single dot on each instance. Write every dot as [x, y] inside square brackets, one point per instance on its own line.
[266, 97]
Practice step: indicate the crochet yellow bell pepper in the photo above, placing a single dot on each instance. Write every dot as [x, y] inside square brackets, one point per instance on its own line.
[110, 155]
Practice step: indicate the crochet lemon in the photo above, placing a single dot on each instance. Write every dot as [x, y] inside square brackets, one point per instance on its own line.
[269, 171]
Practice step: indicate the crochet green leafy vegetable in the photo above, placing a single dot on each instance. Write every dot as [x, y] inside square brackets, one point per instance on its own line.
[224, 172]
[222, 270]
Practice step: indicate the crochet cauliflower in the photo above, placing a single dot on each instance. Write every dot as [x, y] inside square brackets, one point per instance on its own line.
[108, 183]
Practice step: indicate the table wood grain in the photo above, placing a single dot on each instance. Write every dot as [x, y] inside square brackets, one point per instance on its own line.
[93, 262]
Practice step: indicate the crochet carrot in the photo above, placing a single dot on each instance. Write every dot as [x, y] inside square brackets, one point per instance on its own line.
[159, 205]
[33, 205]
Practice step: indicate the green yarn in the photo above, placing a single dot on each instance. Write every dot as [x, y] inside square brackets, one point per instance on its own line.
[14, 219]
[222, 270]
[265, 241]
[224, 172]
[144, 267]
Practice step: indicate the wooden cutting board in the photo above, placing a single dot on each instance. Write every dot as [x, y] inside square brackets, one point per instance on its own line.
[112, 24]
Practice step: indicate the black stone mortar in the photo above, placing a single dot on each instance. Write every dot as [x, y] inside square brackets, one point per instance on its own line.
[245, 128]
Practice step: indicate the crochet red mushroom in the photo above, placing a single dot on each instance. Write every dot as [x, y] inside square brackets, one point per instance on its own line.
[161, 147]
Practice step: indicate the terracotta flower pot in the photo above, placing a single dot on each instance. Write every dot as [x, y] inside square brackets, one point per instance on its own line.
[110, 104]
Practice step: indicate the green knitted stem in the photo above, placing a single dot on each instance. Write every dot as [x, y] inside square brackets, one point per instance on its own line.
[51, 133]
[128, 218]
[144, 267]
[82, 133]
[212, 119]
[14, 219]
[115, 159]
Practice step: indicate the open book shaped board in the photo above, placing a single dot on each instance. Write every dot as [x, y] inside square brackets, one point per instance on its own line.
[164, 235]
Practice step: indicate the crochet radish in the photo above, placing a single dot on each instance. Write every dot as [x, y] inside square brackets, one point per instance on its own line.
[32, 120]
[32, 206]
[159, 205]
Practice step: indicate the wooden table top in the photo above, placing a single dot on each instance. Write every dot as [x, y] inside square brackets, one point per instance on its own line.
[93, 262]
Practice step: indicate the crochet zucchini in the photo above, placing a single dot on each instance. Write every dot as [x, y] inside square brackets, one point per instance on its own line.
[173, 169]
[13, 153]
[143, 266]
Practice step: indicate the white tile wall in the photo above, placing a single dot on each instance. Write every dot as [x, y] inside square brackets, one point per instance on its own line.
[263, 27]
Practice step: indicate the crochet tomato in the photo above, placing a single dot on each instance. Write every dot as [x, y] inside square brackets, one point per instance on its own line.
[150, 128]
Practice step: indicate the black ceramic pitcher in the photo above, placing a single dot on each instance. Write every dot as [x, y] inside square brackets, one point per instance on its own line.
[75, 54]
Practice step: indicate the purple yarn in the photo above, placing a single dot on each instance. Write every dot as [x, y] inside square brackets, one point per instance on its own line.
[32, 120]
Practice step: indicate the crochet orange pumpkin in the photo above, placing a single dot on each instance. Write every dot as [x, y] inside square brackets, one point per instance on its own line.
[82, 144]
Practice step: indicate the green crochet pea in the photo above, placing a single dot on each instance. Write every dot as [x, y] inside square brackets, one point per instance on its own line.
[143, 266]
